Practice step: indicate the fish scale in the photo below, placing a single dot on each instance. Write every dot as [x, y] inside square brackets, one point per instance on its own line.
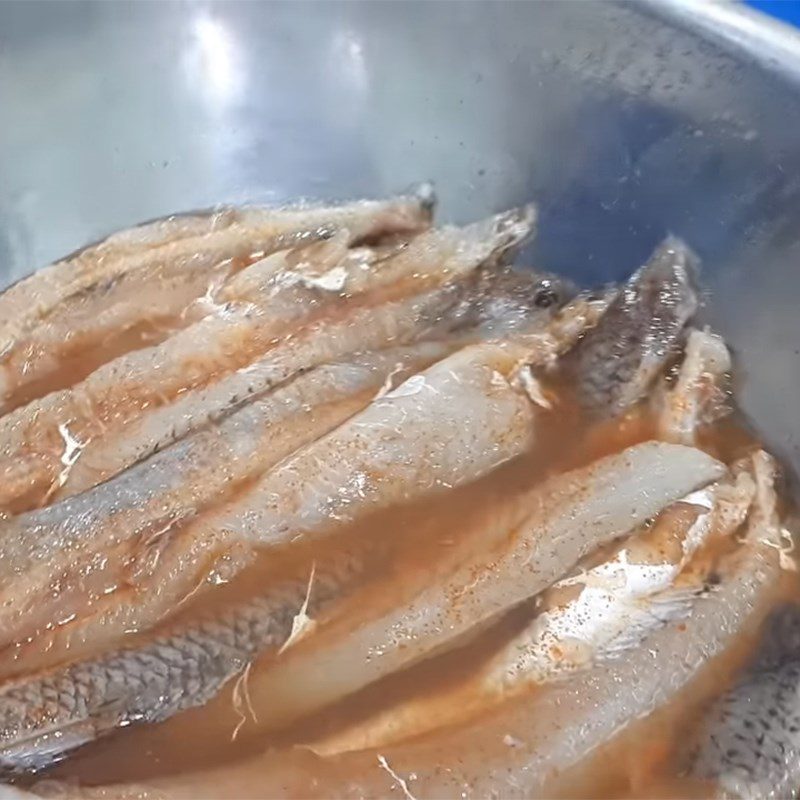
[178, 483]
[613, 367]
[750, 743]
[175, 671]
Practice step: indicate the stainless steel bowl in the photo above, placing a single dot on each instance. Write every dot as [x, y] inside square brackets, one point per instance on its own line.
[624, 121]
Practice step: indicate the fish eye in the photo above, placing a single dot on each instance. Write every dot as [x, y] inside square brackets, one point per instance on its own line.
[546, 296]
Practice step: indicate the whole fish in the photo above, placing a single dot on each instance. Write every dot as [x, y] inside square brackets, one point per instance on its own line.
[599, 612]
[137, 512]
[72, 306]
[204, 363]
[614, 366]
[44, 716]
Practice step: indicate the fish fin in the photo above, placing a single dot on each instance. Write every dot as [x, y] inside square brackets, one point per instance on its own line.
[48, 747]
[653, 613]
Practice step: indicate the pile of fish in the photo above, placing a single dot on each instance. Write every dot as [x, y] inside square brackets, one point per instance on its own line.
[206, 421]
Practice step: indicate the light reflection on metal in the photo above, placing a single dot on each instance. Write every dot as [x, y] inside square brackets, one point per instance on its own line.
[212, 63]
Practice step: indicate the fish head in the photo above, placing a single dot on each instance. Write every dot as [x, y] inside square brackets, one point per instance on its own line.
[663, 292]
[515, 299]
[616, 362]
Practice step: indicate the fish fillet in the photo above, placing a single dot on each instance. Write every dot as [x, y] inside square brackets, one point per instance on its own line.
[429, 316]
[185, 563]
[91, 698]
[528, 747]
[114, 286]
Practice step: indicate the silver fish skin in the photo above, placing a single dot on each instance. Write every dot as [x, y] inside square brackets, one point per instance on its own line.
[33, 298]
[529, 748]
[614, 365]
[457, 308]
[750, 745]
[153, 497]
[206, 364]
[43, 719]
[44, 716]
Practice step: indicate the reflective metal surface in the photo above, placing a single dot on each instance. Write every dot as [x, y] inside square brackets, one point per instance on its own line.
[624, 121]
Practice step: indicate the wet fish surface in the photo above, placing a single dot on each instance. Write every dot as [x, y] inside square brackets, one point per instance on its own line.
[429, 524]
[175, 484]
[72, 304]
[25, 731]
[750, 744]
[215, 350]
[41, 721]
[615, 365]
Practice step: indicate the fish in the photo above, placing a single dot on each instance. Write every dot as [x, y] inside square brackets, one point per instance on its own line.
[601, 611]
[184, 564]
[432, 313]
[43, 719]
[531, 747]
[750, 743]
[64, 310]
[450, 424]
[698, 396]
[523, 548]
[419, 318]
[221, 358]
[93, 697]
[618, 361]
[147, 503]
[133, 514]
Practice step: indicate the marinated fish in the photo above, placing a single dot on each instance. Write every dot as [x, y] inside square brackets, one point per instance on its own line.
[534, 541]
[43, 719]
[296, 460]
[698, 396]
[131, 281]
[203, 364]
[447, 425]
[527, 748]
[148, 502]
[599, 612]
[558, 524]
[140, 511]
[750, 745]
[173, 568]
[615, 366]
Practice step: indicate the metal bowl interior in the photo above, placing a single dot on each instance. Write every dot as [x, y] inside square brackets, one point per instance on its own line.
[624, 121]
